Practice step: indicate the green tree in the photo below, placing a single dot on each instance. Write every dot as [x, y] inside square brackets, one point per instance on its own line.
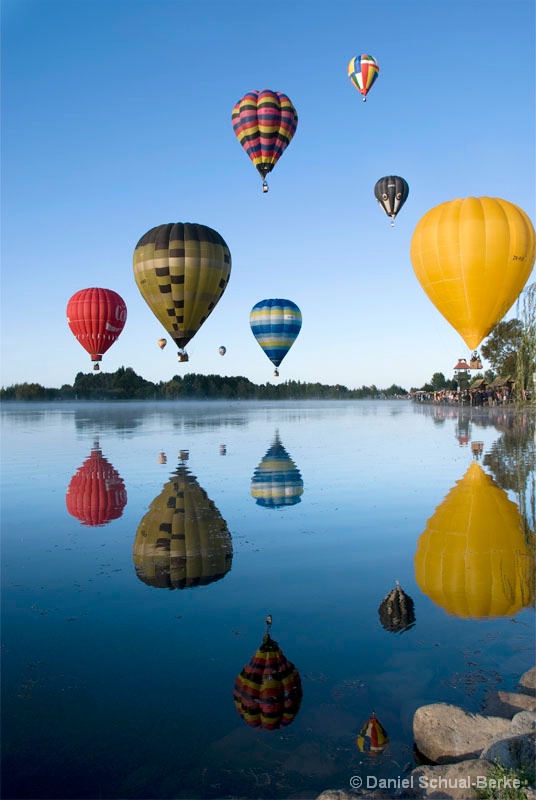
[438, 381]
[502, 346]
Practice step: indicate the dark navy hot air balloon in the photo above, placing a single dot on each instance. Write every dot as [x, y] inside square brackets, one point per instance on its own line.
[391, 193]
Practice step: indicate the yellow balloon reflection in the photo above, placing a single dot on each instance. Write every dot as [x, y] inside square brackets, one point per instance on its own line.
[182, 541]
[473, 559]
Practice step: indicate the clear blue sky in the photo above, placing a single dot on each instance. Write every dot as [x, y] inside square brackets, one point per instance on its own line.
[116, 117]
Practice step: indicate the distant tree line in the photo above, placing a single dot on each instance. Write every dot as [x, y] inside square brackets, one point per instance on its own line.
[125, 384]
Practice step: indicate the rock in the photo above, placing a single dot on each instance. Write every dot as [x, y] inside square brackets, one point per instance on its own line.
[454, 781]
[444, 733]
[506, 704]
[523, 722]
[513, 752]
[527, 682]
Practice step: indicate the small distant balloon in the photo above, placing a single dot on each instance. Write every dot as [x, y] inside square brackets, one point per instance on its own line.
[162, 343]
[372, 738]
[222, 350]
[363, 72]
[391, 193]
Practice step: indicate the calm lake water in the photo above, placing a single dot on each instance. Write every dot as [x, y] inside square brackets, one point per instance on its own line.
[145, 544]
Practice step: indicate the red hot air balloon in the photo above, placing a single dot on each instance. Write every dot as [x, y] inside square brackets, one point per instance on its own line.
[96, 493]
[96, 317]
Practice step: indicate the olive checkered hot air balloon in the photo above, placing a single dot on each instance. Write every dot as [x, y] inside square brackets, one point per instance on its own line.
[277, 481]
[182, 541]
[264, 123]
[275, 324]
[182, 269]
[268, 692]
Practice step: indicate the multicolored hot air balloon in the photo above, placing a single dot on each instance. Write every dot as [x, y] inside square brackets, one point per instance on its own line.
[96, 317]
[277, 481]
[182, 541]
[264, 123]
[161, 343]
[222, 350]
[391, 193]
[372, 738]
[473, 559]
[473, 257]
[182, 270]
[96, 493]
[275, 324]
[363, 72]
[397, 611]
[268, 692]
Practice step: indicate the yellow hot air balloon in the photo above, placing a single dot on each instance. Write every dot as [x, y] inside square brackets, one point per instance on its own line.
[182, 270]
[473, 559]
[473, 257]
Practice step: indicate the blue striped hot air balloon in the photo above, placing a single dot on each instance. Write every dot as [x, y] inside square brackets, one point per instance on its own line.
[275, 324]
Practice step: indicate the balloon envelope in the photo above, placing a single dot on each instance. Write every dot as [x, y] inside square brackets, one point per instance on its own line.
[363, 72]
[277, 481]
[96, 493]
[264, 124]
[162, 343]
[391, 193]
[182, 541]
[372, 738]
[182, 270]
[96, 317]
[472, 559]
[275, 324]
[268, 692]
[473, 257]
[222, 351]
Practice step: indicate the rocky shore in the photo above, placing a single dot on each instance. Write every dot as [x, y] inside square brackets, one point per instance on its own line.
[461, 749]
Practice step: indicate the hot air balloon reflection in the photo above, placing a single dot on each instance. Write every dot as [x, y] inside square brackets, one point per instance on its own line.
[277, 481]
[275, 324]
[96, 493]
[472, 258]
[472, 559]
[372, 738]
[162, 458]
[161, 343]
[222, 350]
[391, 193]
[397, 611]
[363, 72]
[182, 270]
[264, 124]
[96, 317]
[182, 541]
[268, 692]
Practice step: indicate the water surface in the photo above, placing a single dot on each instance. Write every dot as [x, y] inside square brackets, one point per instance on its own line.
[145, 544]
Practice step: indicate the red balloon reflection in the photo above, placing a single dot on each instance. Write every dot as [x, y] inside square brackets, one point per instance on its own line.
[96, 493]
